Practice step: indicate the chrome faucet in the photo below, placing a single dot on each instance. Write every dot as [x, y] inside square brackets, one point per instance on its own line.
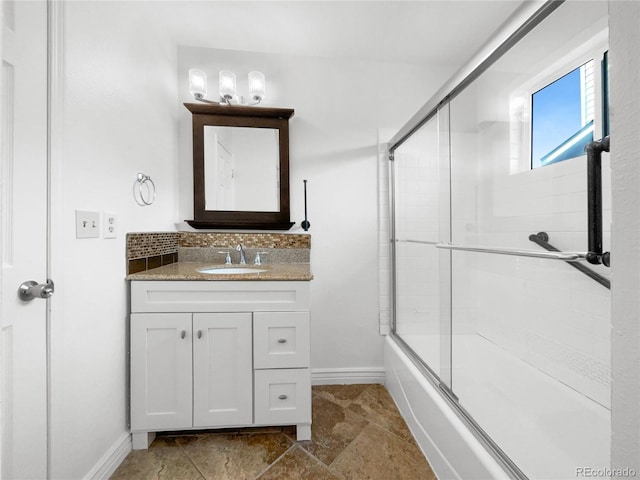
[240, 249]
[227, 260]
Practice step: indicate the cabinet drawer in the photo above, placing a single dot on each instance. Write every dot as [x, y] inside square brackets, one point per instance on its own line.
[280, 339]
[219, 296]
[282, 396]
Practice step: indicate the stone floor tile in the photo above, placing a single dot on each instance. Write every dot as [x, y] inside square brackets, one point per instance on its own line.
[164, 460]
[376, 405]
[377, 454]
[221, 456]
[341, 394]
[357, 434]
[332, 429]
[297, 465]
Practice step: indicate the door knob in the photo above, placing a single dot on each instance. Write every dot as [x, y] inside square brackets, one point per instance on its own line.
[30, 290]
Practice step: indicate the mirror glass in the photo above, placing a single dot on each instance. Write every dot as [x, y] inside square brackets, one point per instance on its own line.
[241, 169]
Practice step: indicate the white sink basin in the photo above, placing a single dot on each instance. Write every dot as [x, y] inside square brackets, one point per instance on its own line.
[230, 270]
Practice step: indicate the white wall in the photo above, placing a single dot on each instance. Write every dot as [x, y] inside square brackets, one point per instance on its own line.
[625, 127]
[339, 106]
[118, 118]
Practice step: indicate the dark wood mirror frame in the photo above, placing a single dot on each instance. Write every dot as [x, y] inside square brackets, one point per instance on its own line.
[239, 116]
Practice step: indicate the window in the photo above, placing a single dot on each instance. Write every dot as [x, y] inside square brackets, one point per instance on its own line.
[562, 117]
[605, 94]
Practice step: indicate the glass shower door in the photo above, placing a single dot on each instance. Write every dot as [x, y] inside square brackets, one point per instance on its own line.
[418, 183]
[480, 192]
[531, 336]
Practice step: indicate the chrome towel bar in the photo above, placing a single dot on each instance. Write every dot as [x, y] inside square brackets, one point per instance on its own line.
[564, 256]
[419, 242]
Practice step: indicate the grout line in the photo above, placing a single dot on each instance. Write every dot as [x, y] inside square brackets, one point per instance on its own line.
[291, 447]
[346, 448]
[186, 454]
[324, 465]
[373, 422]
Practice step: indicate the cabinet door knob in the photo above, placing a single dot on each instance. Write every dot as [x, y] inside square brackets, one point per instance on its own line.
[282, 340]
[199, 333]
[282, 397]
[183, 334]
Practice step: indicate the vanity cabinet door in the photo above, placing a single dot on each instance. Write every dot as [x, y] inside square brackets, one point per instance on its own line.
[222, 370]
[161, 367]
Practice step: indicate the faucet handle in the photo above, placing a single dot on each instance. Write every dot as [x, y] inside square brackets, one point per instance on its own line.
[227, 260]
[258, 260]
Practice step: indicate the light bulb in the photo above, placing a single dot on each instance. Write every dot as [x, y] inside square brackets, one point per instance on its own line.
[197, 83]
[227, 85]
[257, 85]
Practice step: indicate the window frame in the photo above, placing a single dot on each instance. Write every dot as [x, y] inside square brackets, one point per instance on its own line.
[521, 98]
[531, 123]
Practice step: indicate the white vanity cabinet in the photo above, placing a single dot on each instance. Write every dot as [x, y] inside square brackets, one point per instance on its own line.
[219, 354]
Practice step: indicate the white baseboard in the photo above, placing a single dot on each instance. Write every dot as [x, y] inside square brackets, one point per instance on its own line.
[111, 460]
[347, 376]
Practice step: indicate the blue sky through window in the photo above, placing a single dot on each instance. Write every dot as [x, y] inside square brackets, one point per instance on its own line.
[556, 115]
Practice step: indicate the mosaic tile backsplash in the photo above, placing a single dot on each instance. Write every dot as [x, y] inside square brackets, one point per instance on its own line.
[249, 240]
[140, 245]
[149, 250]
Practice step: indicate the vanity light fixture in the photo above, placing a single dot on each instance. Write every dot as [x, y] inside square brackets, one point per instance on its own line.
[227, 84]
[198, 84]
[227, 87]
[256, 86]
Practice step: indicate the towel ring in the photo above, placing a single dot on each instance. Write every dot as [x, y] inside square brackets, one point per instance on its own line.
[147, 195]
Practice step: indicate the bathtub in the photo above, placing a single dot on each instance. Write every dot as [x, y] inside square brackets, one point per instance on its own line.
[450, 447]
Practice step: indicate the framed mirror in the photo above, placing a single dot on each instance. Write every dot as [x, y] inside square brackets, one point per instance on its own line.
[240, 167]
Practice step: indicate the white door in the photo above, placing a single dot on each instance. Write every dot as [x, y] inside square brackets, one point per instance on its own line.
[23, 238]
[222, 369]
[225, 181]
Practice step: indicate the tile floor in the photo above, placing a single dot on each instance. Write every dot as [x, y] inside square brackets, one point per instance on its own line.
[357, 434]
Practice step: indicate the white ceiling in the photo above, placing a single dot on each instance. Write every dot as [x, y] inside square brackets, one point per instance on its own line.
[433, 32]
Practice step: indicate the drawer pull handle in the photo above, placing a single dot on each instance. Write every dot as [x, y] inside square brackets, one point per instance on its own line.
[199, 333]
[282, 397]
[183, 334]
[282, 340]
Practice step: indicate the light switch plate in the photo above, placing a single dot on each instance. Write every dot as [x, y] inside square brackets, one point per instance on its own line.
[87, 224]
[110, 225]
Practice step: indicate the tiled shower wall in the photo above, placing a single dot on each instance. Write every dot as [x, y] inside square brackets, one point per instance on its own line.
[542, 311]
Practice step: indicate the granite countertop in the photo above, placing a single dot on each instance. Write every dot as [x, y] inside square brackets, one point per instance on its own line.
[189, 271]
